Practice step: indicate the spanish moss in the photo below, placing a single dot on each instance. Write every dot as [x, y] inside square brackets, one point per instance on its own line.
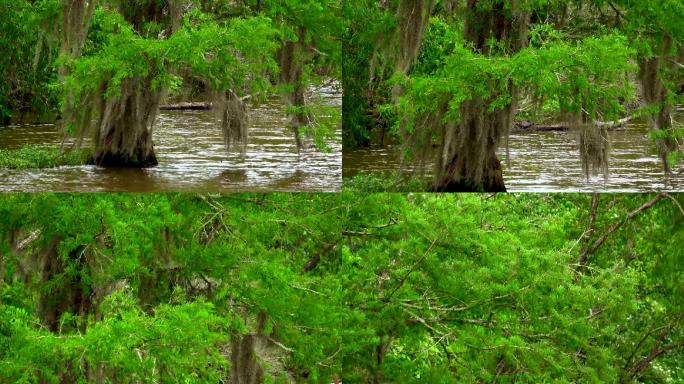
[123, 129]
[594, 148]
[413, 16]
[468, 159]
[232, 117]
[76, 19]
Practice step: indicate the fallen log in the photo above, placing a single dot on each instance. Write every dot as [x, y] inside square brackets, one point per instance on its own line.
[526, 126]
[186, 106]
[622, 123]
[193, 105]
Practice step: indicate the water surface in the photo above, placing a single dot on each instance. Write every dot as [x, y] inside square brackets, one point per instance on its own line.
[549, 162]
[192, 157]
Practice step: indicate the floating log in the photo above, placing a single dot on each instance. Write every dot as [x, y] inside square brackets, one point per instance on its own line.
[615, 125]
[193, 105]
[186, 106]
[526, 126]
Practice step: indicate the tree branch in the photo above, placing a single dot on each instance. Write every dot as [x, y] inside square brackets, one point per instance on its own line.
[316, 258]
[602, 239]
[588, 234]
[415, 266]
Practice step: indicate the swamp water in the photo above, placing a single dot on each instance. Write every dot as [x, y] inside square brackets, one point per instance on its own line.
[192, 157]
[549, 162]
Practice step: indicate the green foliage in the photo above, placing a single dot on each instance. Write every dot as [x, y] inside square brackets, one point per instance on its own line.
[439, 41]
[354, 81]
[577, 61]
[323, 122]
[322, 21]
[586, 75]
[317, 26]
[405, 288]
[179, 342]
[218, 53]
[363, 69]
[25, 63]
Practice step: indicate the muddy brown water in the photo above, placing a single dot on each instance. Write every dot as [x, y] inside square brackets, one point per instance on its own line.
[192, 157]
[549, 162]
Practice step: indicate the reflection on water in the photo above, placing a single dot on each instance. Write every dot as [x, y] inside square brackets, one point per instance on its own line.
[549, 162]
[192, 157]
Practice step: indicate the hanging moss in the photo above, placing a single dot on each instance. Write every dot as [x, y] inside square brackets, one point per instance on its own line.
[506, 22]
[232, 117]
[64, 292]
[122, 132]
[76, 17]
[245, 367]
[594, 148]
[163, 12]
[413, 16]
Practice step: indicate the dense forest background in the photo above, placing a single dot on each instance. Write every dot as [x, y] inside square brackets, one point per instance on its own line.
[101, 68]
[448, 79]
[350, 288]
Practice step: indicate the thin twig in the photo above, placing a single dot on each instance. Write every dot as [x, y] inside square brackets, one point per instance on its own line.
[415, 266]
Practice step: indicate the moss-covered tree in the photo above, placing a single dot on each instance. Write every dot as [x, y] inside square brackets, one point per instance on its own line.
[460, 78]
[119, 60]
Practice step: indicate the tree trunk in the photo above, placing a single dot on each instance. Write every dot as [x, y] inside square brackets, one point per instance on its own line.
[67, 296]
[141, 156]
[468, 160]
[123, 134]
[291, 61]
[655, 92]
[244, 362]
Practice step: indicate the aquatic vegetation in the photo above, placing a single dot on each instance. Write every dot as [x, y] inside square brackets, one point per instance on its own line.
[42, 157]
[374, 182]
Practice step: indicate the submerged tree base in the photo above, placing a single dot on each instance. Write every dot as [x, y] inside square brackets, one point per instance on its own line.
[453, 186]
[139, 159]
[494, 181]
